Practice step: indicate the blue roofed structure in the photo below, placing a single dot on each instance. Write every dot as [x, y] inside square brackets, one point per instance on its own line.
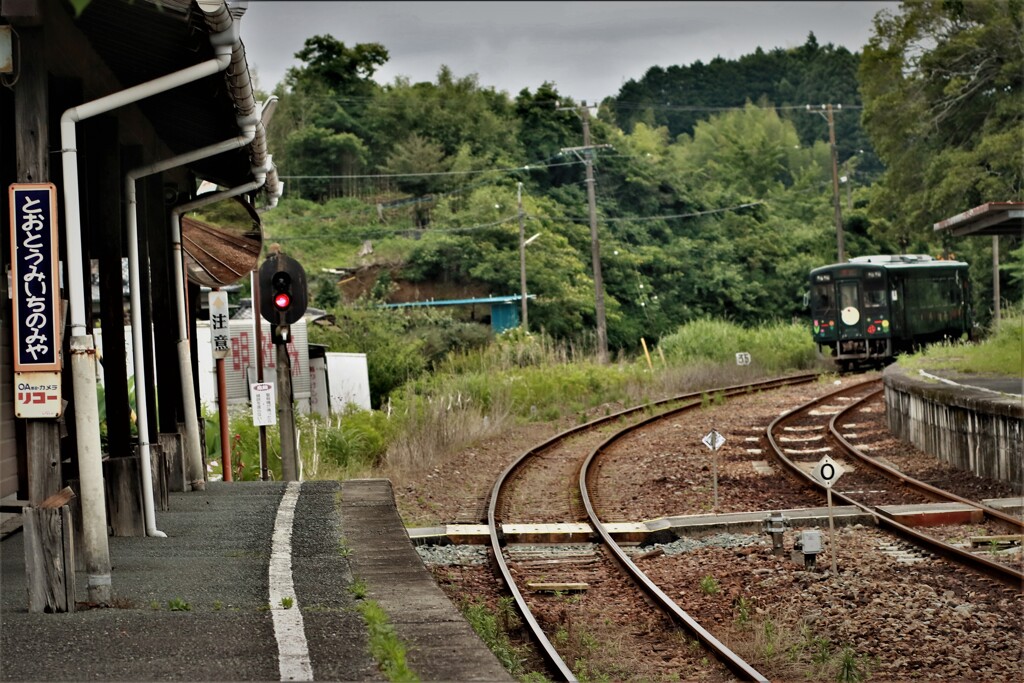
[504, 309]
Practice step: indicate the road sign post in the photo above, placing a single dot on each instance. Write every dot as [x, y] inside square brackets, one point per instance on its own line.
[713, 440]
[826, 472]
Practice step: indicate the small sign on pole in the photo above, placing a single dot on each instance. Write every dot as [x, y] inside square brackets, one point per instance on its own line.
[264, 412]
[826, 472]
[713, 440]
[219, 316]
[742, 358]
[37, 394]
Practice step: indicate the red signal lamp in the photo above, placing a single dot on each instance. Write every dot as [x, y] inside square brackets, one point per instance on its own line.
[282, 300]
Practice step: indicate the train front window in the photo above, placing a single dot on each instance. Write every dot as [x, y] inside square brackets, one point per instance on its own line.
[874, 294]
[848, 295]
[821, 297]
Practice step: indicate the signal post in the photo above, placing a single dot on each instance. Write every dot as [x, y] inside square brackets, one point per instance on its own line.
[283, 300]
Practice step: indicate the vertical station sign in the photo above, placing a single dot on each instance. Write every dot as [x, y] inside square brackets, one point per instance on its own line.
[35, 299]
[219, 334]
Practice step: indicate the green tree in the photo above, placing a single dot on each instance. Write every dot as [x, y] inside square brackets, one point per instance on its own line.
[320, 153]
[943, 86]
[343, 70]
[319, 127]
[418, 162]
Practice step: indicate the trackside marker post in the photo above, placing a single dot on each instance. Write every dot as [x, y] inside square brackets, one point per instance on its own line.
[714, 441]
[826, 472]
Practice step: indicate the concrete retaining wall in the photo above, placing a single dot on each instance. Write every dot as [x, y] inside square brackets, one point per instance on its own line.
[967, 427]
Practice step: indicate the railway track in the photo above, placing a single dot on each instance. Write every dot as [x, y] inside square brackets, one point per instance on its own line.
[802, 436]
[554, 464]
[890, 595]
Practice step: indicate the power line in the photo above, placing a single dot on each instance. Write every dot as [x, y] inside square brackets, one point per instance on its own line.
[514, 169]
[676, 215]
[368, 228]
[668, 107]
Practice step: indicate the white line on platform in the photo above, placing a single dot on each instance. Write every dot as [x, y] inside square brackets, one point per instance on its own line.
[292, 649]
[958, 384]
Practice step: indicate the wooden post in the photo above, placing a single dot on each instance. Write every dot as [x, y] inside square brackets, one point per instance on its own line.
[50, 554]
[175, 455]
[151, 213]
[647, 354]
[123, 480]
[165, 306]
[285, 416]
[105, 186]
[31, 116]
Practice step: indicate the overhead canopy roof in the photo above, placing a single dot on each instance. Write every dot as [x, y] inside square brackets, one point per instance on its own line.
[993, 218]
[140, 40]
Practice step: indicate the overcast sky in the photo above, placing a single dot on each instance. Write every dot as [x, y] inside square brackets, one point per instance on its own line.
[588, 49]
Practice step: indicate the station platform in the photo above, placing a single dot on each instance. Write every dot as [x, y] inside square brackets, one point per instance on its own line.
[972, 422]
[256, 581]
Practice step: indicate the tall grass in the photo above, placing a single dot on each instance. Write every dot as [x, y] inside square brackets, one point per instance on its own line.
[1001, 352]
[480, 393]
[773, 347]
[348, 445]
[428, 427]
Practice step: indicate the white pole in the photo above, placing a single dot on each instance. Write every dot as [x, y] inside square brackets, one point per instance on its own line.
[141, 389]
[831, 531]
[193, 446]
[95, 549]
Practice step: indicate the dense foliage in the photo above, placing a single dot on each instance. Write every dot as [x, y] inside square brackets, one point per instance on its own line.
[680, 96]
[713, 182]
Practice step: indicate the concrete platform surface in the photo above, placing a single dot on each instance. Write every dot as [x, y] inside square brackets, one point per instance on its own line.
[197, 605]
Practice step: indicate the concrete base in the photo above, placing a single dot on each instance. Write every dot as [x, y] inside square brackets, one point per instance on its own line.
[960, 419]
[933, 514]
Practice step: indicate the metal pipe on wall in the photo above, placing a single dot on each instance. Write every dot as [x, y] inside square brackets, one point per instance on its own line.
[248, 126]
[228, 50]
[83, 357]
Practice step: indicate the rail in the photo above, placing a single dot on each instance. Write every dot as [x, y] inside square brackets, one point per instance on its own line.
[989, 567]
[548, 650]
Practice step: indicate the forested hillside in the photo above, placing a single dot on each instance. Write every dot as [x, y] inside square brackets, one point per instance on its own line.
[713, 182]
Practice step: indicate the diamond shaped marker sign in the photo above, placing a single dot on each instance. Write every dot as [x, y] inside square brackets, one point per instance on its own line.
[713, 440]
[827, 471]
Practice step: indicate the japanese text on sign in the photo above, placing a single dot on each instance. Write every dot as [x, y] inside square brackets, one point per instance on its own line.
[263, 398]
[37, 394]
[219, 333]
[242, 353]
[34, 280]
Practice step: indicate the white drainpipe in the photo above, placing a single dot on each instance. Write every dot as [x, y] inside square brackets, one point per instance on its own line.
[83, 353]
[248, 126]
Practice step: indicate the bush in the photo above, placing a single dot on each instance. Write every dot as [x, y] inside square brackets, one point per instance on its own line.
[774, 347]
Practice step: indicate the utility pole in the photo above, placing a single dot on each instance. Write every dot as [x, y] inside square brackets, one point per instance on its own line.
[522, 255]
[841, 247]
[595, 246]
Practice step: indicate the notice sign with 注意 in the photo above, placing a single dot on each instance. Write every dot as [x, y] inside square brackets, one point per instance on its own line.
[219, 333]
[35, 285]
